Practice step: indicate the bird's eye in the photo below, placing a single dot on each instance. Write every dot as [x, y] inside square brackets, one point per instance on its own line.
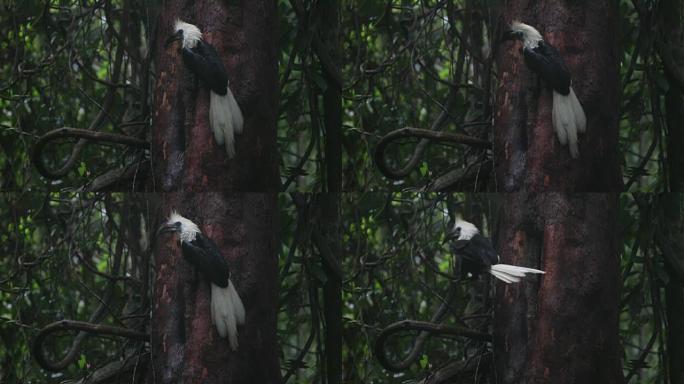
[458, 230]
[177, 223]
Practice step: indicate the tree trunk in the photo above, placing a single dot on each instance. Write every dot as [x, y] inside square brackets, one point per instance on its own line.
[562, 327]
[527, 153]
[329, 56]
[185, 344]
[184, 152]
[671, 241]
[672, 36]
[329, 248]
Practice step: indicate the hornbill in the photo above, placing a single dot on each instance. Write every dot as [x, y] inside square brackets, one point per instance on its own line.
[227, 310]
[545, 60]
[479, 255]
[225, 117]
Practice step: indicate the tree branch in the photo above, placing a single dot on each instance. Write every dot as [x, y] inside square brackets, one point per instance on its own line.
[85, 135]
[413, 325]
[408, 132]
[68, 325]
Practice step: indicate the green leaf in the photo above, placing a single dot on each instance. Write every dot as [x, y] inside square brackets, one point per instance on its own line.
[82, 169]
[423, 169]
[424, 362]
[82, 361]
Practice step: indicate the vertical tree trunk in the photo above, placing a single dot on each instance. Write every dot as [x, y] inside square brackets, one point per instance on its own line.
[185, 344]
[562, 327]
[671, 37]
[332, 289]
[670, 240]
[527, 153]
[329, 57]
[184, 152]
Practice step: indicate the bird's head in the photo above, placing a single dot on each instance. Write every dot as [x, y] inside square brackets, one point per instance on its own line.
[179, 224]
[462, 230]
[523, 32]
[187, 33]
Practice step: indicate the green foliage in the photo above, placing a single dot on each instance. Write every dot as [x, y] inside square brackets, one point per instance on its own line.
[46, 242]
[55, 60]
[398, 268]
[403, 64]
[645, 273]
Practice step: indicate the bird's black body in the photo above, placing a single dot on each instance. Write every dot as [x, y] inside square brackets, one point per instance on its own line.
[225, 117]
[206, 257]
[227, 309]
[205, 63]
[477, 254]
[567, 115]
[545, 61]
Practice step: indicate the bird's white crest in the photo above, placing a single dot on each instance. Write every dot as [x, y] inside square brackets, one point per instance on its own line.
[531, 37]
[191, 34]
[189, 230]
[467, 230]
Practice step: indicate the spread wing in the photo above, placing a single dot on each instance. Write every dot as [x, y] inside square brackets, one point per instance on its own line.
[206, 257]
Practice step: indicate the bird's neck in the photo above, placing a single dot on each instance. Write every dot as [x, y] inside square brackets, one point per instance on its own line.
[468, 233]
[531, 43]
[188, 236]
[190, 43]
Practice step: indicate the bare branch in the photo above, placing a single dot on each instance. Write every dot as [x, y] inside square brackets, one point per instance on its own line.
[72, 325]
[414, 325]
[85, 136]
[408, 132]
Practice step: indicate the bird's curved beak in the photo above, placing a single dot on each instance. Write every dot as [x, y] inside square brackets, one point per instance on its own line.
[510, 35]
[507, 36]
[168, 228]
[175, 37]
[449, 236]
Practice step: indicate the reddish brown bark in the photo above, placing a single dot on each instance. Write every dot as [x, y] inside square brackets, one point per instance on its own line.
[527, 152]
[244, 36]
[186, 346]
[562, 328]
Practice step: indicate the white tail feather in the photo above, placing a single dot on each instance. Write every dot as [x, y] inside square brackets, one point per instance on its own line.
[237, 303]
[558, 124]
[227, 312]
[511, 273]
[568, 120]
[504, 277]
[580, 117]
[225, 119]
[235, 112]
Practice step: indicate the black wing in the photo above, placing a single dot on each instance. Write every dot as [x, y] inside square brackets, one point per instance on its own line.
[205, 62]
[477, 250]
[206, 257]
[546, 61]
